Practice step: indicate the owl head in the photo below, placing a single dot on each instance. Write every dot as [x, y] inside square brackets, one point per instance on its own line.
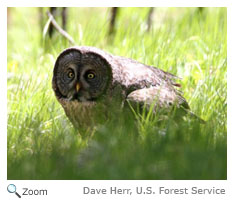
[81, 75]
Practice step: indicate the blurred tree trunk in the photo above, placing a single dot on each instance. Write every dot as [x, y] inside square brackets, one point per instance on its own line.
[64, 18]
[149, 19]
[41, 18]
[51, 28]
[200, 9]
[114, 11]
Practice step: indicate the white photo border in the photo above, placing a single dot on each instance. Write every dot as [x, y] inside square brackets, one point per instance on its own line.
[72, 190]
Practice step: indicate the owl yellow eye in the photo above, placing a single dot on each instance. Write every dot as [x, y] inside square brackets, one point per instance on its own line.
[90, 75]
[70, 74]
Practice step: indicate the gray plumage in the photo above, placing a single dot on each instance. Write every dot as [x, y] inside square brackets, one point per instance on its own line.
[85, 76]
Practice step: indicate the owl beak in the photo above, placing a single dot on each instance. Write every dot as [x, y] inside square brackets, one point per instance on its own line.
[77, 87]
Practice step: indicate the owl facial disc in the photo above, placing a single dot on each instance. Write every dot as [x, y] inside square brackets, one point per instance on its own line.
[81, 75]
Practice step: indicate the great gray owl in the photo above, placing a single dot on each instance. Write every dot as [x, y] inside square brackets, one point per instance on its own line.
[85, 77]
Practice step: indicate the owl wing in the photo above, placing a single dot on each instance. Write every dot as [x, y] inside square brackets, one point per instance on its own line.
[161, 96]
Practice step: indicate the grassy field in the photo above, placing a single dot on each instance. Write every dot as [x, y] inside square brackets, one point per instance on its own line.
[42, 143]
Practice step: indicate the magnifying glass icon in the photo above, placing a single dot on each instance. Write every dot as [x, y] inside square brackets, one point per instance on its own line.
[11, 188]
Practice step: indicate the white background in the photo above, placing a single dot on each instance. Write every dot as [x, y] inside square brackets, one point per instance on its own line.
[72, 190]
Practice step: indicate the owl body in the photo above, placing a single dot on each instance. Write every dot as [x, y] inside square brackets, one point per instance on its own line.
[87, 81]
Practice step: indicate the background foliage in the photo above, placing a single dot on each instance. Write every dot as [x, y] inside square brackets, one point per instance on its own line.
[42, 143]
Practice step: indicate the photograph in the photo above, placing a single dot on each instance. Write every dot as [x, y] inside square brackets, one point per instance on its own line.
[117, 93]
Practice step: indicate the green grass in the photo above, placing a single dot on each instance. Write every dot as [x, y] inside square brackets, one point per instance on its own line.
[42, 143]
